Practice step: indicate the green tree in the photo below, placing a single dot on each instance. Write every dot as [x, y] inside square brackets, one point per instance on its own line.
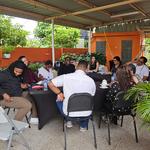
[11, 34]
[64, 36]
[33, 43]
[147, 49]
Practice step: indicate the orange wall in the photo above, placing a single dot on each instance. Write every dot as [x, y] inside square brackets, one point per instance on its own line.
[38, 54]
[113, 42]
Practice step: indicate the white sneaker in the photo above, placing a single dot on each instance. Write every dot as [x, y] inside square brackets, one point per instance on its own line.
[69, 124]
[34, 120]
[83, 129]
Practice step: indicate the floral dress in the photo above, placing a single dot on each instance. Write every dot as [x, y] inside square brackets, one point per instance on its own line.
[111, 94]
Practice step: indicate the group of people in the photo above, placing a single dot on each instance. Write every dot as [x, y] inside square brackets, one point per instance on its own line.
[74, 79]
[43, 73]
[139, 67]
[14, 84]
[17, 77]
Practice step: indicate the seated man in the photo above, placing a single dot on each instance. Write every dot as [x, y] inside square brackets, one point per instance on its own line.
[66, 67]
[45, 73]
[77, 82]
[11, 91]
[142, 69]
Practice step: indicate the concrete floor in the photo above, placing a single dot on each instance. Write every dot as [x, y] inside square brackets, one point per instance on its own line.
[50, 137]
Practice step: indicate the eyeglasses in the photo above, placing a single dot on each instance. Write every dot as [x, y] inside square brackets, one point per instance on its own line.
[141, 61]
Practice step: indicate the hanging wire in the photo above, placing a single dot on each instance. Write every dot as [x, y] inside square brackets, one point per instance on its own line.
[141, 49]
[107, 43]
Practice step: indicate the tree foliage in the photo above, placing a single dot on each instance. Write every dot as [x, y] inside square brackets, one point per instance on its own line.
[64, 36]
[147, 50]
[11, 34]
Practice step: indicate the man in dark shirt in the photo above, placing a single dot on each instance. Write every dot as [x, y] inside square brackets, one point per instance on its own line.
[11, 90]
[66, 67]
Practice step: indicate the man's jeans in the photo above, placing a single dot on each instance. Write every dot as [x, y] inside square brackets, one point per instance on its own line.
[83, 124]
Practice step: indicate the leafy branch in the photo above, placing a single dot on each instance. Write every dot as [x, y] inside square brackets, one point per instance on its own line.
[140, 93]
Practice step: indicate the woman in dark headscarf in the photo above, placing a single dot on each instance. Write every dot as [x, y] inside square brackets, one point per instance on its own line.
[13, 67]
[11, 91]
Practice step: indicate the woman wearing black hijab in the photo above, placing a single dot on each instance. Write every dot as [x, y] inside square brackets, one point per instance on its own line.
[11, 91]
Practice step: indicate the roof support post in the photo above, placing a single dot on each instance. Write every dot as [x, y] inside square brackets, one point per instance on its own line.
[53, 48]
[89, 41]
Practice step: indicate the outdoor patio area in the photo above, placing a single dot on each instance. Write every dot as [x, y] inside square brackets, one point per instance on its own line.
[75, 60]
[51, 137]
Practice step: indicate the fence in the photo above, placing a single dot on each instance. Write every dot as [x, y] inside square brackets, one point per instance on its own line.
[38, 54]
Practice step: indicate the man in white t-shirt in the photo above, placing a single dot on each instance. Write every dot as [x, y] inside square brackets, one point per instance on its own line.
[45, 73]
[141, 69]
[77, 82]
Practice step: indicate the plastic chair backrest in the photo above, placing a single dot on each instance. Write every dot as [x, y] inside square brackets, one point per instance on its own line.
[80, 102]
[121, 103]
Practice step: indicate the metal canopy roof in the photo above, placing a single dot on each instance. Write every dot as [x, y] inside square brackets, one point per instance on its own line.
[82, 14]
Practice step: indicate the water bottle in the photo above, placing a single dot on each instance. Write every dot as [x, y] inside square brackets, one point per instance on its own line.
[113, 77]
[45, 85]
[48, 79]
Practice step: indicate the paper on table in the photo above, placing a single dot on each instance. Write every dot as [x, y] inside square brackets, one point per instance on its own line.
[40, 82]
[103, 87]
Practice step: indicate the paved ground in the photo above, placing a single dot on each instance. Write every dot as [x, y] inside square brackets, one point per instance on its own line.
[50, 137]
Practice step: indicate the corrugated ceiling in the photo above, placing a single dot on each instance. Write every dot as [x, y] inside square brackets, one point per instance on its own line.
[97, 12]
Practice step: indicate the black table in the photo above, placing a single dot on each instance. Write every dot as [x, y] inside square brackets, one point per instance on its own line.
[45, 102]
[97, 77]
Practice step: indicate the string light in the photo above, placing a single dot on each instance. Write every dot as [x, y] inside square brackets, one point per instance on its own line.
[123, 24]
[145, 20]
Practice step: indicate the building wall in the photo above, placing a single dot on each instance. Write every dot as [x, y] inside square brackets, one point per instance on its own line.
[38, 54]
[113, 42]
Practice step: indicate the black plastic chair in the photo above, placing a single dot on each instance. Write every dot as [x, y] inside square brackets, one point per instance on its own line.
[120, 107]
[78, 103]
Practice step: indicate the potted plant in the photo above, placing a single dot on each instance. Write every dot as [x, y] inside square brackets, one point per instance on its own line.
[140, 93]
[7, 49]
[35, 66]
[99, 56]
